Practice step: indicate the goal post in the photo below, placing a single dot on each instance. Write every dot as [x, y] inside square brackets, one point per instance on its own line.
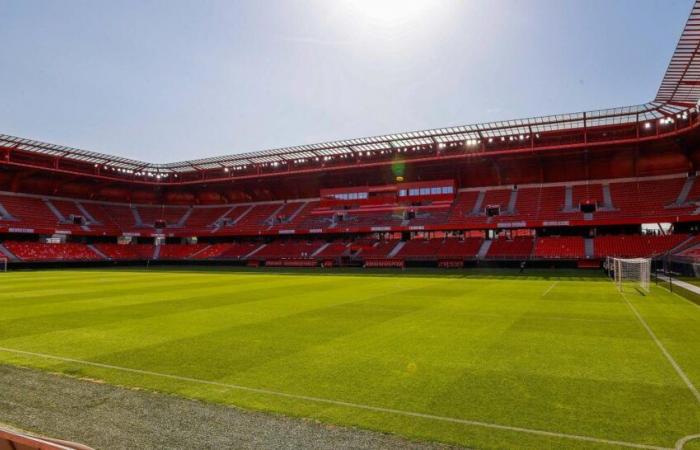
[3, 264]
[635, 272]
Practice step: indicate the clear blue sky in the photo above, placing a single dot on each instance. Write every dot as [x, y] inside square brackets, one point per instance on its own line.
[171, 80]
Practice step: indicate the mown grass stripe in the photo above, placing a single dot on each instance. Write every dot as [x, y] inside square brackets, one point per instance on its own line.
[342, 403]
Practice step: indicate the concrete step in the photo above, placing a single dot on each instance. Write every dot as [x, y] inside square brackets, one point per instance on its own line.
[589, 248]
[397, 248]
[484, 249]
[479, 201]
[683, 194]
[54, 210]
[8, 254]
[255, 251]
[98, 252]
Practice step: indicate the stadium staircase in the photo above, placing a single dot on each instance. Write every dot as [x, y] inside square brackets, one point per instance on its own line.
[294, 215]
[201, 251]
[320, 249]
[86, 213]
[479, 202]
[685, 191]
[137, 217]
[484, 249]
[156, 253]
[99, 252]
[185, 217]
[8, 254]
[258, 249]
[569, 198]
[272, 218]
[589, 248]
[54, 210]
[397, 248]
[607, 198]
[510, 209]
[5, 214]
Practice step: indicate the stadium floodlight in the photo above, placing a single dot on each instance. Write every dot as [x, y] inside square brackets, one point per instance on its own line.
[629, 272]
[647, 125]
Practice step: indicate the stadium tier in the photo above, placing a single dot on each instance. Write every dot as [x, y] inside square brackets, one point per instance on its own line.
[607, 202]
[599, 218]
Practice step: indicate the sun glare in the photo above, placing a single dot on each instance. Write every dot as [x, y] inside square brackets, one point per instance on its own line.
[388, 13]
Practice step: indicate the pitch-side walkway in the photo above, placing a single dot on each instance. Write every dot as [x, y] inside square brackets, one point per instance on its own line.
[110, 417]
[687, 286]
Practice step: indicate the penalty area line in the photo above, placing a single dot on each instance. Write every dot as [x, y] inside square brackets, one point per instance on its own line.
[359, 406]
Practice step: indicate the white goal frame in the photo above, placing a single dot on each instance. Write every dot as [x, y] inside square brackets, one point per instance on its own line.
[630, 272]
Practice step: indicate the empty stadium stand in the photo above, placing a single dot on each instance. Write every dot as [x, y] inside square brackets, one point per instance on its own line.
[560, 248]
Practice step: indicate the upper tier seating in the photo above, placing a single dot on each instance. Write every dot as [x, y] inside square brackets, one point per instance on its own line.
[35, 251]
[202, 218]
[650, 197]
[121, 215]
[28, 212]
[635, 246]
[171, 215]
[255, 219]
[571, 247]
[640, 201]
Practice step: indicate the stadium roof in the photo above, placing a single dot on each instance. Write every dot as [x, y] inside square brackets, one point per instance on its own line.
[678, 93]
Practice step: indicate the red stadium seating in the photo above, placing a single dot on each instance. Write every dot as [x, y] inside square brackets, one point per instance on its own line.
[35, 251]
[179, 251]
[560, 248]
[635, 246]
[127, 251]
[518, 248]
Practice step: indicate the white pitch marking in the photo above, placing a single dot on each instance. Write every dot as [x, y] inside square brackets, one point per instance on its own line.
[475, 423]
[684, 440]
[668, 356]
[550, 288]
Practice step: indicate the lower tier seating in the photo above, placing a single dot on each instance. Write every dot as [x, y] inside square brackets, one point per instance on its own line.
[126, 251]
[636, 246]
[35, 251]
[560, 248]
[308, 252]
[518, 248]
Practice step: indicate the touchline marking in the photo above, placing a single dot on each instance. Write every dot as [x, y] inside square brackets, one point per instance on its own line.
[550, 288]
[343, 403]
[668, 356]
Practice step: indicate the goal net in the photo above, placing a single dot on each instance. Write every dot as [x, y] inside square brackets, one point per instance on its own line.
[630, 272]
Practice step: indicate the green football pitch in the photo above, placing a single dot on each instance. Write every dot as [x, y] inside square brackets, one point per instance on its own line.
[475, 358]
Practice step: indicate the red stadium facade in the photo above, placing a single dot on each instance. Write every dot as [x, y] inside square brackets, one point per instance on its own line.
[572, 187]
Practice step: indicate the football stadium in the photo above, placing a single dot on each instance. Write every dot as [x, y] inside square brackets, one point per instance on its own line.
[529, 284]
